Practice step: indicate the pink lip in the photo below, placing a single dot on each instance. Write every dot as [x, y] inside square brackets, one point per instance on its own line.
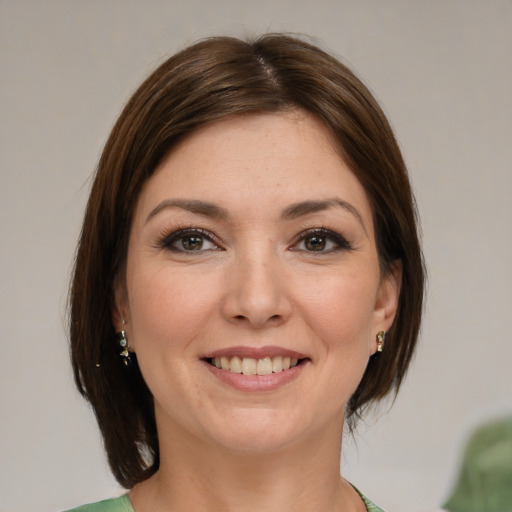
[255, 353]
[255, 383]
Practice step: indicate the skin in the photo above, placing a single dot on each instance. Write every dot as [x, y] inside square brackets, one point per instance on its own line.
[259, 279]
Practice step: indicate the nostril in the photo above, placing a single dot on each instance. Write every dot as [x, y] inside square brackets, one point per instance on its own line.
[271, 319]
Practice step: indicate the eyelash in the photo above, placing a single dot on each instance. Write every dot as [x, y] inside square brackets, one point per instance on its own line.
[340, 242]
[167, 240]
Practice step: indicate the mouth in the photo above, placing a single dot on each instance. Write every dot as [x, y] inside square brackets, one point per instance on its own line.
[255, 366]
[251, 369]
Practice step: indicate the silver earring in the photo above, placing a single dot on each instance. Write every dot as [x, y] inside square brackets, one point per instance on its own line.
[380, 341]
[123, 343]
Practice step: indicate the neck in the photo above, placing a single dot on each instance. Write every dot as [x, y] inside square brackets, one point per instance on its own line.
[201, 476]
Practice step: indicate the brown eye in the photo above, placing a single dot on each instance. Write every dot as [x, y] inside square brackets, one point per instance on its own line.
[321, 240]
[189, 240]
[192, 243]
[315, 243]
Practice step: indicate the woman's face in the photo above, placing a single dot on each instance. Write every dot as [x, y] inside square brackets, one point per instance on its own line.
[252, 248]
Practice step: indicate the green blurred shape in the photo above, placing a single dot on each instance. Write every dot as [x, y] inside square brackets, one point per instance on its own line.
[485, 481]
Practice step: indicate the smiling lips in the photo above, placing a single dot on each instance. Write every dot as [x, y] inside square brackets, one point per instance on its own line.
[251, 369]
[254, 366]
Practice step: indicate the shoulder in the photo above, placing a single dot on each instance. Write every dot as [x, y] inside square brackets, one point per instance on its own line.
[121, 504]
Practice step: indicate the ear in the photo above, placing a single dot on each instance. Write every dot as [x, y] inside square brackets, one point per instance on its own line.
[386, 304]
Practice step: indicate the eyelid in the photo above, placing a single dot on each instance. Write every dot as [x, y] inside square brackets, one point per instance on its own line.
[169, 236]
[341, 242]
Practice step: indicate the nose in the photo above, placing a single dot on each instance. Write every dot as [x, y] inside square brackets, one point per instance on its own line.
[257, 293]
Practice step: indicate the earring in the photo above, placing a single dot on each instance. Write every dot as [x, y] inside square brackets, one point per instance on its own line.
[123, 342]
[380, 341]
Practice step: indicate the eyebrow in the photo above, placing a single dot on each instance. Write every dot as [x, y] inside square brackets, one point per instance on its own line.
[293, 211]
[193, 206]
[308, 207]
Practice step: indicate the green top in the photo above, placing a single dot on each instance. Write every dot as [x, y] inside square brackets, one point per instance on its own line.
[485, 481]
[371, 507]
[123, 504]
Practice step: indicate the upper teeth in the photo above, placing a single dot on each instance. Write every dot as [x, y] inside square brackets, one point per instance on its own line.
[251, 366]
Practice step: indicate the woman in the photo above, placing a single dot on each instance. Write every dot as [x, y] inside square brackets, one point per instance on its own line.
[248, 279]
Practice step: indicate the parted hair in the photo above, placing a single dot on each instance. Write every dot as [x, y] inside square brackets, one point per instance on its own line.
[206, 82]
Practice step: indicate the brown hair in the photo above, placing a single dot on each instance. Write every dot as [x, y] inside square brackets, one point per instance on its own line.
[209, 81]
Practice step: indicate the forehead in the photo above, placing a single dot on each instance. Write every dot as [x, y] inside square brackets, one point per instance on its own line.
[265, 160]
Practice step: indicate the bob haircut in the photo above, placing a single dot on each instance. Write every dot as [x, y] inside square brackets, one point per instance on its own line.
[206, 82]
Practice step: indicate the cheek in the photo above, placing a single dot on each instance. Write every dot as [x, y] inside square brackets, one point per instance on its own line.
[169, 312]
[338, 318]
[168, 308]
[342, 310]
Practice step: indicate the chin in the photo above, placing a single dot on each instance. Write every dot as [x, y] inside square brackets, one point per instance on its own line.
[251, 443]
[260, 432]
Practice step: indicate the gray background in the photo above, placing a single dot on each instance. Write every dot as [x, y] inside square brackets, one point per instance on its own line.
[441, 68]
